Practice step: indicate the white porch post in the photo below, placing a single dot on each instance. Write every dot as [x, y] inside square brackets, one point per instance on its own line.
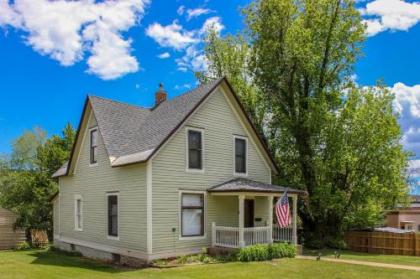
[295, 197]
[213, 234]
[241, 220]
[270, 219]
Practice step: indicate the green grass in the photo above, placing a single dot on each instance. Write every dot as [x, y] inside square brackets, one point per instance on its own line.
[44, 264]
[345, 254]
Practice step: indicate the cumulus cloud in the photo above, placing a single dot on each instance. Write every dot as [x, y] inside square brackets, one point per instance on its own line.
[175, 36]
[172, 35]
[66, 31]
[407, 104]
[191, 13]
[393, 15]
[164, 55]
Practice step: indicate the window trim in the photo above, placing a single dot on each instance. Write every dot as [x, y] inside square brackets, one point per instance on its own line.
[187, 150]
[76, 198]
[93, 164]
[204, 217]
[234, 155]
[112, 237]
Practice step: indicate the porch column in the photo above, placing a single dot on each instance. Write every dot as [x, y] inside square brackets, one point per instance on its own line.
[241, 220]
[295, 197]
[270, 219]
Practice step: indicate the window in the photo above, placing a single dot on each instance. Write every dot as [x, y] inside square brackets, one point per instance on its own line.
[195, 150]
[93, 146]
[192, 214]
[78, 211]
[113, 215]
[240, 155]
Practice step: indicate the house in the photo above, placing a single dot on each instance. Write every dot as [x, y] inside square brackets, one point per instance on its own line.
[189, 173]
[9, 235]
[406, 218]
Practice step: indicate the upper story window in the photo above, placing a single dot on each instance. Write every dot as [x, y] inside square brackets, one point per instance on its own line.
[78, 213]
[195, 149]
[240, 155]
[112, 199]
[94, 146]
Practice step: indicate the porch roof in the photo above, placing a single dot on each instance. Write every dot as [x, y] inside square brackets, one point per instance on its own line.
[247, 185]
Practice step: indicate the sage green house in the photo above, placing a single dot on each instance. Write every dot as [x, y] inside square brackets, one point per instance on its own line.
[152, 183]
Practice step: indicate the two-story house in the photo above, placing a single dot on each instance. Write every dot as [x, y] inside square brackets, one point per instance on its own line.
[189, 173]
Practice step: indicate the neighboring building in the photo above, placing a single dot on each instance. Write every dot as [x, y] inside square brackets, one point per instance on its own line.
[9, 236]
[406, 218]
[192, 172]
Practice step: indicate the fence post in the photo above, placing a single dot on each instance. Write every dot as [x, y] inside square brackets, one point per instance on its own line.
[213, 234]
[413, 235]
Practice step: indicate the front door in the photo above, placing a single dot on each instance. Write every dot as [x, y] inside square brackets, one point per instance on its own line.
[249, 213]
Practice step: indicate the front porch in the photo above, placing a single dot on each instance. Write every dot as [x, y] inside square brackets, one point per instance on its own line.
[253, 197]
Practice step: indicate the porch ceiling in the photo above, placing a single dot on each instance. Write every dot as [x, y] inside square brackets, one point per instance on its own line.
[247, 185]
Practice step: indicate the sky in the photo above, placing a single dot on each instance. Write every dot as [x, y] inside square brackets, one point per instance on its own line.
[54, 53]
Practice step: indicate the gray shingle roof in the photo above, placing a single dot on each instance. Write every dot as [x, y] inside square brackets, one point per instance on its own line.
[132, 134]
[247, 185]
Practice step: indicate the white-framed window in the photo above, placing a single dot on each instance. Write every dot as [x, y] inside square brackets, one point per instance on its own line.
[112, 200]
[195, 149]
[240, 155]
[192, 214]
[78, 213]
[93, 146]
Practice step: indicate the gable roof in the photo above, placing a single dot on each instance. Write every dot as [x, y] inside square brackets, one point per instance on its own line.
[132, 134]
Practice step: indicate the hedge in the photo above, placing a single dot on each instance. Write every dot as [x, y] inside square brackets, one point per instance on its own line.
[264, 252]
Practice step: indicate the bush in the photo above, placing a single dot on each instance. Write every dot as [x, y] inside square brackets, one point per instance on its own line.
[264, 252]
[24, 245]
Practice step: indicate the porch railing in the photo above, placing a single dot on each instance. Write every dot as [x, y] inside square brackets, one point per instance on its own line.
[283, 234]
[225, 236]
[229, 236]
[256, 235]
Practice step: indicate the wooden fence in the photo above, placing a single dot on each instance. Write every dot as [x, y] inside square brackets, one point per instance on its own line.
[384, 243]
[9, 237]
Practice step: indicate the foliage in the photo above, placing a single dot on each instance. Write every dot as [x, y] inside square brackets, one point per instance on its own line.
[26, 185]
[24, 245]
[264, 252]
[338, 142]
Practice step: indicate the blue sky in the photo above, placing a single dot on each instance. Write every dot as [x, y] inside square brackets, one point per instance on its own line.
[54, 53]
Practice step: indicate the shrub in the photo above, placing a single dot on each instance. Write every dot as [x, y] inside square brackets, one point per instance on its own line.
[24, 245]
[282, 250]
[264, 252]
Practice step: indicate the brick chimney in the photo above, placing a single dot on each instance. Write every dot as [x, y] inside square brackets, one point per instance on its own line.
[160, 95]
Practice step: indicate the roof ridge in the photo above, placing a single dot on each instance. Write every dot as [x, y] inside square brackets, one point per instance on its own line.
[119, 102]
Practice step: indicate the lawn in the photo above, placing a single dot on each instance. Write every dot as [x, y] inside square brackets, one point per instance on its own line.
[49, 264]
[390, 259]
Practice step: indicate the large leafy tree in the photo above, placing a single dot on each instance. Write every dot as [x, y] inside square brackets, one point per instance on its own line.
[26, 187]
[338, 142]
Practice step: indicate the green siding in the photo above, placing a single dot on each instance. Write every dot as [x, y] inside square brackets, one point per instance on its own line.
[170, 176]
[92, 183]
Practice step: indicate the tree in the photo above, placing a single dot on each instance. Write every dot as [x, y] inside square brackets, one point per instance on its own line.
[27, 186]
[338, 142]
[24, 148]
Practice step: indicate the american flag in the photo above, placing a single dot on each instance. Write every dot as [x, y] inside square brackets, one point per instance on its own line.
[283, 212]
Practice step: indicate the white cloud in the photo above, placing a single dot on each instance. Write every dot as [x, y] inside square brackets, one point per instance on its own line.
[180, 10]
[393, 15]
[196, 12]
[193, 59]
[164, 55]
[190, 42]
[407, 104]
[68, 30]
[172, 35]
[183, 86]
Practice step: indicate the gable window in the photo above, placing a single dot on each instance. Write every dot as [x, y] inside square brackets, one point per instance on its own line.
[195, 149]
[192, 214]
[112, 215]
[240, 155]
[93, 146]
[78, 211]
